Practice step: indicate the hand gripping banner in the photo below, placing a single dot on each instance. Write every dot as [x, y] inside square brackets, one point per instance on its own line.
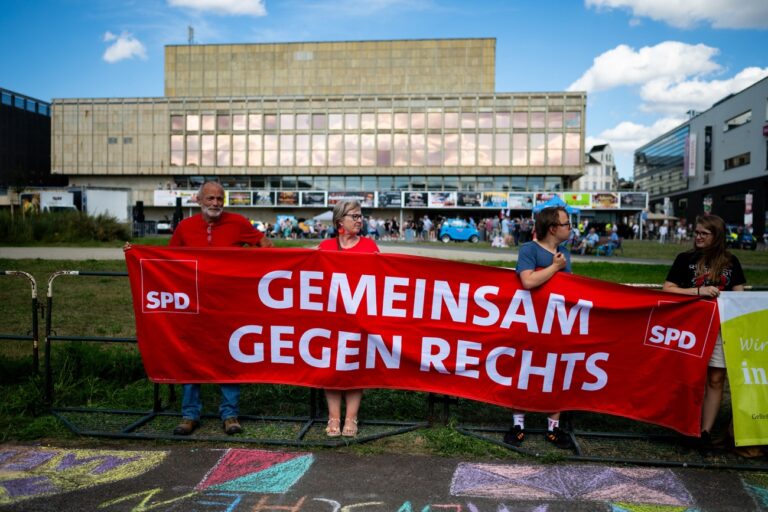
[340, 320]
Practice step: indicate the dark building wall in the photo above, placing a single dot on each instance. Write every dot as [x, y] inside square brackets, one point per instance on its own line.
[727, 202]
[25, 143]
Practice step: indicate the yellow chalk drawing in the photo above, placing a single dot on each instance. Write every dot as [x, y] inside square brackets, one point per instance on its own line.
[27, 473]
[144, 504]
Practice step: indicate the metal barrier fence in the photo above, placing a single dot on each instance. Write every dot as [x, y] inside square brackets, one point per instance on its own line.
[136, 424]
[33, 333]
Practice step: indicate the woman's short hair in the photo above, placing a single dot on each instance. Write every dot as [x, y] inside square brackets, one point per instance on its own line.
[547, 218]
[342, 208]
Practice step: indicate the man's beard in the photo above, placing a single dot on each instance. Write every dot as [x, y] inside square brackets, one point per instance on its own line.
[212, 212]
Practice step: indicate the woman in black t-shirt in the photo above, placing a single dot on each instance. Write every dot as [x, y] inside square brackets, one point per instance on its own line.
[704, 271]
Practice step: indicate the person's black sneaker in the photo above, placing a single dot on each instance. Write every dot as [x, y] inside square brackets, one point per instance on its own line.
[559, 438]
[514, 436]
[705, 443]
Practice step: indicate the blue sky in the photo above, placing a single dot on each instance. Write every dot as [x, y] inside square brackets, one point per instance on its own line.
[643, 63]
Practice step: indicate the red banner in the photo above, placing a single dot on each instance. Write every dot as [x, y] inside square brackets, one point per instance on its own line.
[339, 320]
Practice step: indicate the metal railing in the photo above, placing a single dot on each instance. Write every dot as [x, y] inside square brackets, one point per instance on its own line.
[33, 333]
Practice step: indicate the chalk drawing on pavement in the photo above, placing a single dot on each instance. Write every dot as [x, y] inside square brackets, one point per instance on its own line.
[242, 470]
[760, 494]
[27, 473]
[633, 507]
[598, 483]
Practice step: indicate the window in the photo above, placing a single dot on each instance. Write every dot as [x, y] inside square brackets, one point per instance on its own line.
[6, 98]
[223, 122]
[302, 121]
[737, 161]
[209, 122]
[573, 120]
[193, 122]
[177, 149]
[737, 121]
[111, 140]
[223, 150]
[239, 122]
[177, 123]
[127, 140]
[208, 145]
[319, 121]
[193, 150]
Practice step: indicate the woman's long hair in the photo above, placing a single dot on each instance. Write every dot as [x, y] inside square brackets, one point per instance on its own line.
[715, 257]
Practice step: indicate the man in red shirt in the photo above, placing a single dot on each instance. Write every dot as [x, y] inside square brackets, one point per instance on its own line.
[213, 227]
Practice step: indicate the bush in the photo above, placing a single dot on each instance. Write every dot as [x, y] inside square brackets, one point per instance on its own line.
[60, 227]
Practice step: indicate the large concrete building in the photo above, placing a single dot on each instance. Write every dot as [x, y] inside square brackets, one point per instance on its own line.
[714, 162]
[411, 125]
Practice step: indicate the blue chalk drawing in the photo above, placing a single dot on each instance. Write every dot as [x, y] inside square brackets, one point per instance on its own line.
[276, 479]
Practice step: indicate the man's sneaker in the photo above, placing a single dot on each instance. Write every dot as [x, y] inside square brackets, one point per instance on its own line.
[232, 426]
[514, 436]
[186, 427]
[559, 438]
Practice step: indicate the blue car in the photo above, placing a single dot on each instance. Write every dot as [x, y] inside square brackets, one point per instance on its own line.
[458, 230]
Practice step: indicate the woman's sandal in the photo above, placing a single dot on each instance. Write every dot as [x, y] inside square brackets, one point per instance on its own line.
[350, 427]
[333, 428]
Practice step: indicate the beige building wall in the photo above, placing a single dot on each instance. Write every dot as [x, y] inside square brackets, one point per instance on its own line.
[442, 66]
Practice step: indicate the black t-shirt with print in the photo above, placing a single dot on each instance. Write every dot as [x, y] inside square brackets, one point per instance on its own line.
[683, 273]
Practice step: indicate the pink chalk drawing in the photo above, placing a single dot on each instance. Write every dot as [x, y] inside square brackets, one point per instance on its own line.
[598, 483]
[27, 472]
[242, 470]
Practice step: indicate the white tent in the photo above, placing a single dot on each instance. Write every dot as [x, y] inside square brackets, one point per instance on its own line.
[324, 217]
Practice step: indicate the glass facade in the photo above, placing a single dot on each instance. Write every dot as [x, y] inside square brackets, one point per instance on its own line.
[377, 138]
[659, 165]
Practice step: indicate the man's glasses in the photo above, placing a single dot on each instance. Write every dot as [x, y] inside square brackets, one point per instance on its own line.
[355, 216]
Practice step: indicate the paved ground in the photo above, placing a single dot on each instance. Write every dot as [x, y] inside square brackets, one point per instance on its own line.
[189, 478]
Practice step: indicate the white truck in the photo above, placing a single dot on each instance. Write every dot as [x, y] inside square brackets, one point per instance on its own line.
[115, 202]
[57, 200]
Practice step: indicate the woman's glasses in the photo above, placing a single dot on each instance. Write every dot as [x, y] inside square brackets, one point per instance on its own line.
[355, 216]
[702, 234]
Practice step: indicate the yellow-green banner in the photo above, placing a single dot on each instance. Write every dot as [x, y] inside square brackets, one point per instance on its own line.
[744, 326]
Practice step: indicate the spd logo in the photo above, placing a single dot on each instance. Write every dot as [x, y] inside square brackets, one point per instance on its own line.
[681, 329]
[169, 286]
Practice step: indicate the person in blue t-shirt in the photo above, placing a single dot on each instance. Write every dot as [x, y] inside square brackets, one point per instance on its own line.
[537, 262]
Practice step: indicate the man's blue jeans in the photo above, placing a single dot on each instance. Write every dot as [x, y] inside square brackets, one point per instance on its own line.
[191, 406]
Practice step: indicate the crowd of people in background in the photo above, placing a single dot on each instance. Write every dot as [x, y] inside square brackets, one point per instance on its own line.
[510, 231]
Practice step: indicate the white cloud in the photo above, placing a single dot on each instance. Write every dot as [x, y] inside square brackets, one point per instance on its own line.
[671, 60]
[733, 14]
[224, 7]
[124, 46]
[628, 136]
[674, 98]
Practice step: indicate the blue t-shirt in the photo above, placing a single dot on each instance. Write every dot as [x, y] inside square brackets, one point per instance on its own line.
[533, 256]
